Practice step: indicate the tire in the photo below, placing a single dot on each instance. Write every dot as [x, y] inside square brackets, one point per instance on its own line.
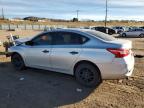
[88, 75]
[124, 35]
[141, 35]
[17, 62]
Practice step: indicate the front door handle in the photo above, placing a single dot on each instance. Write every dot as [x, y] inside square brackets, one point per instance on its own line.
[73, 52]
[45, 51]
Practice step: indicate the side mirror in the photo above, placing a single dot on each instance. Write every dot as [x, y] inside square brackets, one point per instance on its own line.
[29, 43]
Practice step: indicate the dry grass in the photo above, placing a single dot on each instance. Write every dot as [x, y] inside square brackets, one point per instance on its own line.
[77, 24]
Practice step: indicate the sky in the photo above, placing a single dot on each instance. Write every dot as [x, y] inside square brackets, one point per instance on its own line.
[66, 9]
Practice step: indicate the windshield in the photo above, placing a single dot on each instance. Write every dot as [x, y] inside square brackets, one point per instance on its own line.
[101, 35]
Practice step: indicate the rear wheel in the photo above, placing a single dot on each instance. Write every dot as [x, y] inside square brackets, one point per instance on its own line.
[141, 35]
[17, 62]
[88, 75]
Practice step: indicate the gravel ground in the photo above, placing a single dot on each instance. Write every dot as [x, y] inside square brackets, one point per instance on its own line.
[34, 88]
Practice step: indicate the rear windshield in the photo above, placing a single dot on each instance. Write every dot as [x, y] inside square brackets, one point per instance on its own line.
[101, 35]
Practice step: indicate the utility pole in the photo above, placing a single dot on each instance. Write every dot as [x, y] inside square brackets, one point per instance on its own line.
[3, 14]
[77, 11]
[106, 13]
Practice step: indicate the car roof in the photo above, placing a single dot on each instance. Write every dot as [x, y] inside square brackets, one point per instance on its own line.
[88, 32]
[70, 30]
[74, 30]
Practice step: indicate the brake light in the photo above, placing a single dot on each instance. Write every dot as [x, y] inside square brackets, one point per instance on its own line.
[119, 53]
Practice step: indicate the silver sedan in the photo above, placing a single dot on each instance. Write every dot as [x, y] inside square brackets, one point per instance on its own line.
[137, 32]
[87, 54]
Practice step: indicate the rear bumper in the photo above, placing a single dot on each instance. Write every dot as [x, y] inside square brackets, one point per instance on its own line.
[118, 69]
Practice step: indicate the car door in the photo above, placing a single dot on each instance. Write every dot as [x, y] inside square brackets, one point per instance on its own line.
[100, 29]
[135, 33]
[38, 54]
[66, 49]
[131, 32]
[138, 32]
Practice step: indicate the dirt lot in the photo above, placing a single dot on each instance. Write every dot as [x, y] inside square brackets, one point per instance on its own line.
[34, 88]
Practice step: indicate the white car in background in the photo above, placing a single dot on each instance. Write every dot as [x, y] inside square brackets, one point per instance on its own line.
[136, 32]
[118, 29]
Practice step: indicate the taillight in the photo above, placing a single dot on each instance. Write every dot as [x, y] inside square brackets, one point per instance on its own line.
[119, 53]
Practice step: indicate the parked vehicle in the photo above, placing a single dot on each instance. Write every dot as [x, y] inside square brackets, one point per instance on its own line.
[89, 55]
[104, 30]
[86, 27]
[118, 29]
[137, 32]
[142, 27]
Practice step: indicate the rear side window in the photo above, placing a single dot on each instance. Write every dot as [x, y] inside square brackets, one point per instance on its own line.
[68, 38]
[101, 35]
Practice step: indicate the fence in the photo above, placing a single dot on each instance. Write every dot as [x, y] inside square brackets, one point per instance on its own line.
[26, 27]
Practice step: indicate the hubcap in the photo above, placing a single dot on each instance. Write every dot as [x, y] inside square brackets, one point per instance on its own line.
[86, 75]
[123, 35]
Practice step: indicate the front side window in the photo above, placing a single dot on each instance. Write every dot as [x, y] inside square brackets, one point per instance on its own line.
[44, 39]
[139, 29]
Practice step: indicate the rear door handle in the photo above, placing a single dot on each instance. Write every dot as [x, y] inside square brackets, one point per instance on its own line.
[73, 52]
[45, 51]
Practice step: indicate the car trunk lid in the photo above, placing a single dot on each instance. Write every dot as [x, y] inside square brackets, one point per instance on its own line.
[123, 44]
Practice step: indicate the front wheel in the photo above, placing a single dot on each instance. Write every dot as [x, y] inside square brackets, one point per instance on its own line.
[88, 75]
[124, 35]
[141, 35]
[17, 62]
